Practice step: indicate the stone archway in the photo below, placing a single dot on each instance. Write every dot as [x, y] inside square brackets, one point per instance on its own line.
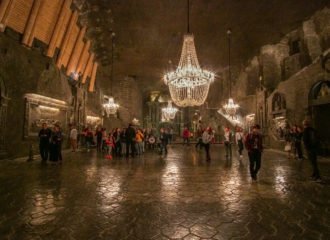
[3, 117]
[319, 105]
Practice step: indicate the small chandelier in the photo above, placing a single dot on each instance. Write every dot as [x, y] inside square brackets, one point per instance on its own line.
[230, 107]
[189, 84]
[169, 112]
[110, 107]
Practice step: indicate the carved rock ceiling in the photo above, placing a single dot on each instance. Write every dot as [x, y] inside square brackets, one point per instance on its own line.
[149, 32]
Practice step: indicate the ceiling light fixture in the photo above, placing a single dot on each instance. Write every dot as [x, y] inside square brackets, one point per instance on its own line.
[169, 112]
[230, 107]
[110, 107]
[189, 84]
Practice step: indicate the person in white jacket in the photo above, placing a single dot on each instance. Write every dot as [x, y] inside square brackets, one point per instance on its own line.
[206, 139]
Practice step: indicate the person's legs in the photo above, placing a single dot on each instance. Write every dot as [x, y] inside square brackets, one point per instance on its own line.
[252, 163]
[207, 151]
[133, 148]
[227, 148]
[127, 148]
[42, 152]
[230, 151]
[299, 150]
[312, 156]
[258, 162]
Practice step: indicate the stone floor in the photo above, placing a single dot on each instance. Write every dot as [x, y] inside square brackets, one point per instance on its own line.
[152, 197]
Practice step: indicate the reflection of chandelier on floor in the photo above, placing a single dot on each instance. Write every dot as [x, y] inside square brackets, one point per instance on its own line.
[110, 107]
[189, 84]
[169, 112]
[230, 107]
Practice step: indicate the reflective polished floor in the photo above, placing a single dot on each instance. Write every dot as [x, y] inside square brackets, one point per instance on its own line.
[179, 196]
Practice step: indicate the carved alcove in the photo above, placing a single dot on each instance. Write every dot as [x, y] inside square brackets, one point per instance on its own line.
[279, 112]
[41, 109]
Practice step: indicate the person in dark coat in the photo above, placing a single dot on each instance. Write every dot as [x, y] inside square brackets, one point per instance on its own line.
[253, 144]
[164, 140]
[56, 144]
[130, 140]
[311, 143]
[44, 140]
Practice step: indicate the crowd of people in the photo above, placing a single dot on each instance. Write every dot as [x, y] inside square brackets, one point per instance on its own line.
[133, 141]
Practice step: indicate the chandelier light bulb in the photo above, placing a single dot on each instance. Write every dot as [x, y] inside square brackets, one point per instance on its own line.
[189, 84]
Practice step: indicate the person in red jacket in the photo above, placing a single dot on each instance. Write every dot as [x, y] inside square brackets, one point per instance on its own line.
[186, 136]
[253, 144]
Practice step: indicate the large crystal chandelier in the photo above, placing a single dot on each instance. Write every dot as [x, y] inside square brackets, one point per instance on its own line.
[169, 112]
[230, 107]
[111, 107]
[189, 84]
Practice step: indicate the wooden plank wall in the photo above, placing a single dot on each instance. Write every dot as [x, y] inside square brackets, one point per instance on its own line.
[54, 23]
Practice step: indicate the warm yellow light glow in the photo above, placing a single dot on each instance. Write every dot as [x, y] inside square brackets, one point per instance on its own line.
[52, 109]
[189, 84]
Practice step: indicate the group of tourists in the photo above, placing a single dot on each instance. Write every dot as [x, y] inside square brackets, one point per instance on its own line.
[50, 143]
[132, 141]
[253, 142]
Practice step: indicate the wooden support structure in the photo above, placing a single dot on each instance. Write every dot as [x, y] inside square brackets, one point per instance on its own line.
[83, 58]
[75, 55]
[5, 9]
[88, 68]
[93, 77]
[59, 25]
[72, 22]
[28, 35]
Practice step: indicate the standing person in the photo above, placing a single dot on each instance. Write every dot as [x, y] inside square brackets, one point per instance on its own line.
[297, 139]
[98, 134]
[56, 143]
[73, 137]
[130, 140]
[164, 140]
[288, 140]
[116, 136]
[123, 141]
[228, 142]
[253, 144]
[207, 138]
[44, 141]
[89, 138]
[104, 139]
[110, 142]
[239, 141]
[311, 143]
[170, 135]
[139, 141]
[199, 138]
[186, 136]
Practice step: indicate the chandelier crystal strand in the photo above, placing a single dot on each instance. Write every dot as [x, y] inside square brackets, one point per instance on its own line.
[169, 112]
[189, 84]
[111, 107]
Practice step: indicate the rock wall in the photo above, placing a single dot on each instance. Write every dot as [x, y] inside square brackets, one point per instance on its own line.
[26, 71]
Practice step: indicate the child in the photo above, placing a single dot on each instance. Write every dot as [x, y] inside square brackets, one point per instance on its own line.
[110, 142]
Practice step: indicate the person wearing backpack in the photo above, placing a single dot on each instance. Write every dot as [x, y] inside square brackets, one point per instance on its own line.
[311, 143]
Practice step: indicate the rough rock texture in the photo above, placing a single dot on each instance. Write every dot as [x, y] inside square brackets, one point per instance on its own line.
[26, 71]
